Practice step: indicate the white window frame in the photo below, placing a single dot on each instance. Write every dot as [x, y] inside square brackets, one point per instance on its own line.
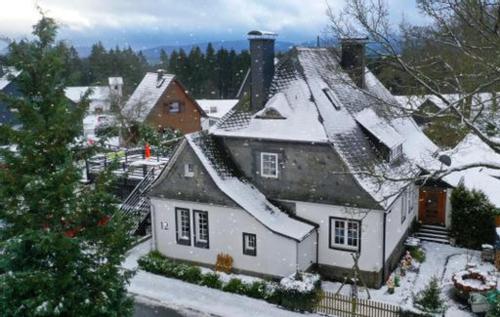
[188, 170]
[174, 107]
[201, 230]
[345, 239]
[264, 156]
[183, 225]
[404, 205]
[396, 152]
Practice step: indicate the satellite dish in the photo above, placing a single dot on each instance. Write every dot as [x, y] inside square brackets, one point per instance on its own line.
[445, 159]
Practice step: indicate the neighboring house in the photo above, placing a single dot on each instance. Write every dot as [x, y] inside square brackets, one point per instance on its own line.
[8, 87]
[485, 106]
[215, 109]
[308, 170]
[100, 98]
[162, 102]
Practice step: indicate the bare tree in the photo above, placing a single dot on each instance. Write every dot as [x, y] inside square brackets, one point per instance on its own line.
[466, 35]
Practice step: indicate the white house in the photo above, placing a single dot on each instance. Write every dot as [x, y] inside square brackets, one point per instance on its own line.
[215, 109]
[100, 97]
[301, 179]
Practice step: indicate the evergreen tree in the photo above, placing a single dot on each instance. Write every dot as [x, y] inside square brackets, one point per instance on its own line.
[429, 299]
[61, 242]
[163, 59]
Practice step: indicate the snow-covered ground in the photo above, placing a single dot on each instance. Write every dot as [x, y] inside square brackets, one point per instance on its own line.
[441, 261]
[200, 300]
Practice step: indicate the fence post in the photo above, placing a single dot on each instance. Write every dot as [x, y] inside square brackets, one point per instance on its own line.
[353, 306]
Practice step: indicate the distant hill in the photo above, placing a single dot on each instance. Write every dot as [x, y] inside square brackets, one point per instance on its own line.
[153, 54]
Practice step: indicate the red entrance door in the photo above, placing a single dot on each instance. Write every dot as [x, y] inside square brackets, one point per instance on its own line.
[432, 206]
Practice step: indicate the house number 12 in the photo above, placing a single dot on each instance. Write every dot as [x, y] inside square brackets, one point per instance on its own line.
[164, 225]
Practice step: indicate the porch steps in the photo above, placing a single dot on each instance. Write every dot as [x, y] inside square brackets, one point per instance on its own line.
[433, 234]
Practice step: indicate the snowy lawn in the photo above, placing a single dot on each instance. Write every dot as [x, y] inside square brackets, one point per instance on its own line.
[441, 261]
[186, 297]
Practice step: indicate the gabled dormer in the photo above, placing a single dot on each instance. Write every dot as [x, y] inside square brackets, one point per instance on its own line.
[381, 134]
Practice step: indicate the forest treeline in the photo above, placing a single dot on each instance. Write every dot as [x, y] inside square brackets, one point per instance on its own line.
[205, 74]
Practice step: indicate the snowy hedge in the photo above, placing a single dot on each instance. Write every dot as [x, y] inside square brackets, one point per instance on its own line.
[472, 218]
[299, 292]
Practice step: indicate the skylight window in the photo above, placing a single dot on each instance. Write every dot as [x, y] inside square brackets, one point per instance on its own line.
[332, 98]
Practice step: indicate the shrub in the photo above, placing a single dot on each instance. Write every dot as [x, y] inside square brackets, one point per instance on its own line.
[257, 289]
[472, 222]
[192, 275]
[418, 254]
[211, 280]
[153, 262]
[300, 292]
[429, 299]
[235, 285]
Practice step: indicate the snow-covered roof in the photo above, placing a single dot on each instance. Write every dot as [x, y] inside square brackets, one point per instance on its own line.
[115, 81]
[484, 105]
[217, 108]
[383, 131]
[98, 93]
[473, 150]
[300, 120]
[146, 95]
[320, 103]
[245, 194]
[7, 72]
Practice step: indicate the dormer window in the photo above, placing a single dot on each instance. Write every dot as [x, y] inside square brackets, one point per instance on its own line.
[395, 153]
[213, 109]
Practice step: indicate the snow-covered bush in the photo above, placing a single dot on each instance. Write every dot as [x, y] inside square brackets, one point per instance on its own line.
[299, 292]
[429, 299]
[472, 221]
[235, 285]
[258, 289]
[211, 280]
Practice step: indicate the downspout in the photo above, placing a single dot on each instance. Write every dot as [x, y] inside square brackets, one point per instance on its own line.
[153, 223]
[317, 248]
[383, 246]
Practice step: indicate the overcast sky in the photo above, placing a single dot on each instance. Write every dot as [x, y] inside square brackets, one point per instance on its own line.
[147, 23]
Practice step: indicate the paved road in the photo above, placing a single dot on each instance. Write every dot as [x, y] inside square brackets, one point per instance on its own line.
[145, 310]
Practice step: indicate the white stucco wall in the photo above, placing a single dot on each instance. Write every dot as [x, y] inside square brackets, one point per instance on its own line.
[306, 255]
[371, 234]
[395, 229]
[276, 255]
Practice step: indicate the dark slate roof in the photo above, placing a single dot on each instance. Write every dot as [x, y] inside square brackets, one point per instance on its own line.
[313, 79]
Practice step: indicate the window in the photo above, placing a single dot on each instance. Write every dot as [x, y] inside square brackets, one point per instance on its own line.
[174, 107]
[183, 226]
[404, 205]
[412, 198]
[188, 170]
[396, 153]
[269, 165]
[201, 228]
[249, 244]
[213, 109]
[344, 234]
[332, 98]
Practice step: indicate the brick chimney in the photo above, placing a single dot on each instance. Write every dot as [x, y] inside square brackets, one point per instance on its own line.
[353, 59]
[261, 67]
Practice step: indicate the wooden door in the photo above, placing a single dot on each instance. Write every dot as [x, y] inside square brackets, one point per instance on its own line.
[432, 206]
